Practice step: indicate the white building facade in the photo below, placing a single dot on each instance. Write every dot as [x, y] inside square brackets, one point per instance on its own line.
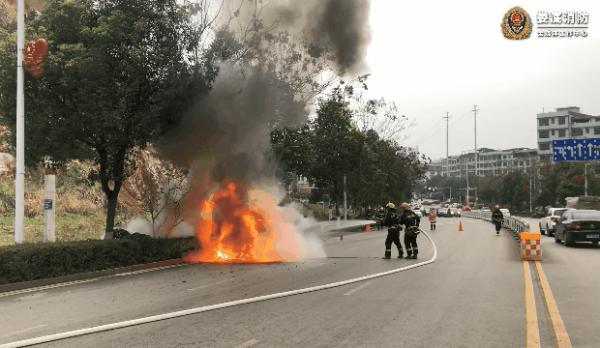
[564, 123]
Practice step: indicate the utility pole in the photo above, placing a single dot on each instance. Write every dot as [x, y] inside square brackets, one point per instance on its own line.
[20, 167]
[476, 151]
[530, 194]
[467, 172]
[447, 117]
[585, 170]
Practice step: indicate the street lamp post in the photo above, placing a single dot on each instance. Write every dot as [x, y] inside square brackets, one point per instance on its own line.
[20, 167]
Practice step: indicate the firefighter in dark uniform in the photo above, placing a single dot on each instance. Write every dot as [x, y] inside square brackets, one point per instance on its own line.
[392, 222]
[411, 222]
[497, 219]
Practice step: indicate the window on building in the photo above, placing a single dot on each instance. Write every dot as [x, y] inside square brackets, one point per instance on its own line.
[562, 133]
[543, 134]
[552, 120]
[576, 132]
[542, 122]
[596, 130]
[587, 131]
[544, 146]
[562, 120]
[552, 133]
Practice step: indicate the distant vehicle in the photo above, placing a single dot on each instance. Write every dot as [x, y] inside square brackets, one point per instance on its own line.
[583, 202]
[441, 212]
[548, 222]
[418, 212]
[454, 212]
[578, 226]
[505, 212]
[485, 210]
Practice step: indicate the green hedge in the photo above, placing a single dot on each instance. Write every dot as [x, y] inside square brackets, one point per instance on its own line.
[45, 260]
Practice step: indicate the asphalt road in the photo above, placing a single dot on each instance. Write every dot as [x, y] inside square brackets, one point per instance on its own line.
[574, 275]
[472, 296]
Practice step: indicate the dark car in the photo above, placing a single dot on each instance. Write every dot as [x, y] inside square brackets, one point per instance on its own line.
[578, 226]
[442, 212]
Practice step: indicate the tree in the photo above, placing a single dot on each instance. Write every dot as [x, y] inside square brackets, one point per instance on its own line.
[159, 189]
[118, 74]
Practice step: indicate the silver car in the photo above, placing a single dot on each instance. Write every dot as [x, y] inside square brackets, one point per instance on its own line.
[548, 222]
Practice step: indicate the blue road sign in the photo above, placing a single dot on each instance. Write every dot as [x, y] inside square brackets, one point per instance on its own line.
[576, 150]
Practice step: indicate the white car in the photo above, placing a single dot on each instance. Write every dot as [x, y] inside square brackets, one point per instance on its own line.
[505, 212]
[548, 222]
[418, 212]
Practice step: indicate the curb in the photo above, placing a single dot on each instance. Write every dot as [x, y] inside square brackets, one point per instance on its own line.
[32, 284]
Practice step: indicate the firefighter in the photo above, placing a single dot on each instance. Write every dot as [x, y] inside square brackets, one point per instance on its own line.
[392, 222]
[432, 219]
[411, 222]
[497, 219]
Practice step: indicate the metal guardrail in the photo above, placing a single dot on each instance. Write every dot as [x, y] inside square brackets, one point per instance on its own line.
[512, 224]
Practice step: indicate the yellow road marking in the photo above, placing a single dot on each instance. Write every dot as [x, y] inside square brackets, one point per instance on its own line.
[532, 334]
[558, 326]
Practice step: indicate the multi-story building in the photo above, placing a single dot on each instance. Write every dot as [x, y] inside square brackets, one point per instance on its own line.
[490, 162]
[564, 123]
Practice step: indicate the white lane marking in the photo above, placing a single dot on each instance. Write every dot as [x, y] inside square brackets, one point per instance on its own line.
[210, 284]
[248, 344]
[147, 270]
[364, 285]
[185, 312]
[46, 287]
[75, 282]
[23, 330]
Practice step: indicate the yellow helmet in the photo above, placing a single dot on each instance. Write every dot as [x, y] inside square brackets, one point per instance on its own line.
[404, 205]
[390, 205]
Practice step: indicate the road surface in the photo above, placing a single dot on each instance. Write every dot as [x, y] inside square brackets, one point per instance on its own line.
[472, 296]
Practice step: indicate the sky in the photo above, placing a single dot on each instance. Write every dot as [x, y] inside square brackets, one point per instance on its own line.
[433, 57]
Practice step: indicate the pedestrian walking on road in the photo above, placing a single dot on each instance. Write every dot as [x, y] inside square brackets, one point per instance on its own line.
[497, 219]
[392, 222]
[411, 222]
[432, 219]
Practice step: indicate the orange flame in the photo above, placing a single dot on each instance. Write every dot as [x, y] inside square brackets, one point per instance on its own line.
[238, 225]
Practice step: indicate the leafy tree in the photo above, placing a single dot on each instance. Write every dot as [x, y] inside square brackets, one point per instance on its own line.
[118, 74]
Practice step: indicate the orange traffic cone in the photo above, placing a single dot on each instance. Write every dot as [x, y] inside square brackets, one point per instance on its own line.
[367, 228]
[459, 227]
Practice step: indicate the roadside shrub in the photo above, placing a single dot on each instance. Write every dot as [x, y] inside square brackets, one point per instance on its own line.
[45, 260]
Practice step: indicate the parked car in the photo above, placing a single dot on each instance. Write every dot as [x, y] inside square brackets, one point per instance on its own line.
[548, 222]
[505, 212]
[442, 212]
[578, 226]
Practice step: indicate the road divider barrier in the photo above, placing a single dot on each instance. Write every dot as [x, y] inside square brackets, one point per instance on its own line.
[517, 227]
[510, 223]
[531, 247]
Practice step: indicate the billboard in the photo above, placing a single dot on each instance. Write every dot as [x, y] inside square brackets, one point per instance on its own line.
[576, 150]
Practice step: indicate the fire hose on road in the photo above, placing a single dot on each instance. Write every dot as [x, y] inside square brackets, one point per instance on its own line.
[181, 313]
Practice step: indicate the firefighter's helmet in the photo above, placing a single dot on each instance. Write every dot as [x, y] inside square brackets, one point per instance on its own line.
[390, 205]
[404, 205]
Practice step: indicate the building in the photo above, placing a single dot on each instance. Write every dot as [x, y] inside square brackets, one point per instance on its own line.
[489, 162]
[564, 123]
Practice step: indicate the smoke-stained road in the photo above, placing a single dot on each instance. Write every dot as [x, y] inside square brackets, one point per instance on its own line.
[471, 297]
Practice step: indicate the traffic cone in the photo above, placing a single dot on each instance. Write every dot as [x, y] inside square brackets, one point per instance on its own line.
[459, 227]
[367, 228]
